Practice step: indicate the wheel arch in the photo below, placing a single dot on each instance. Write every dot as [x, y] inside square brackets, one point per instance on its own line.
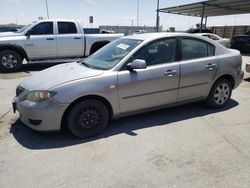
[95, 97]
[97, 45]
[16, 48]
[228, 77]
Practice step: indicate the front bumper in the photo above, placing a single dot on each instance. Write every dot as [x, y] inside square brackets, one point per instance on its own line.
[41, 116]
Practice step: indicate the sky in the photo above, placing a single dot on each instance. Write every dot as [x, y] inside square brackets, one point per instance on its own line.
[108, 12]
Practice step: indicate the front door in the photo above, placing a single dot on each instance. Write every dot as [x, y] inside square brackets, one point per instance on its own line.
[41, 43]
[157, 85]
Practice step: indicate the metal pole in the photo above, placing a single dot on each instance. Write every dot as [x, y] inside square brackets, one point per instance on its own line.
[138, 13]
[157, 17]
[47, 9]
[202, 16]
[206, 23]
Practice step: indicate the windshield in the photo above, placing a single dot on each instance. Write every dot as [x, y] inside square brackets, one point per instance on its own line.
[23, 29]
[107, 57]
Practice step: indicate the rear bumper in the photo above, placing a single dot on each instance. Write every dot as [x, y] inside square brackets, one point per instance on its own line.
[239, 79]
[247, 67]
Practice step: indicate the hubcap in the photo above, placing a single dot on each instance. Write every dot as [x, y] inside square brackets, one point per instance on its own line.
[9, 61]
[88, 118]
[221, 94]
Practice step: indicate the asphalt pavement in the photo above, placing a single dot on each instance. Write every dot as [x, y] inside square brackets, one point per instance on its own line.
[185, 146]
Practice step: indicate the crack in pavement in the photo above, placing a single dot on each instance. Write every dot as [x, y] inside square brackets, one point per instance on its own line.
[2, 116]
[224, 138]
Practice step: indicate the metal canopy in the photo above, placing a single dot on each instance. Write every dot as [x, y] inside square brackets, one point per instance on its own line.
[211, 8]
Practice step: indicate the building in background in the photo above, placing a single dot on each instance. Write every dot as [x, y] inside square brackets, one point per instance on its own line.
[10, 27]
[127, 30]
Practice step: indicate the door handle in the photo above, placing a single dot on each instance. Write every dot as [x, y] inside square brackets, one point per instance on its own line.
[170, 73]
[49, 38]
[77, 38]
[210, 66]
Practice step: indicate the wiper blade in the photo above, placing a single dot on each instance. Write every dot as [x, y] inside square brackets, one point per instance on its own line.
[91, 66]
[87, 65]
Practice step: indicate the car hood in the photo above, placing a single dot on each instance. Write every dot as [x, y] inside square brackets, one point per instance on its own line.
[9, 34]
[57, 75]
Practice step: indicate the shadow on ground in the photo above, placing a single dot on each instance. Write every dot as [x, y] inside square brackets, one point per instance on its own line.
[35, 140]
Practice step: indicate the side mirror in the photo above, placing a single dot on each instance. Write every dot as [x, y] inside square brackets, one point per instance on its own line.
[28, 33]
[137, 64]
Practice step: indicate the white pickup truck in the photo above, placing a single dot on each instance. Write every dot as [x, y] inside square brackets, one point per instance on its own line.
[49, 41]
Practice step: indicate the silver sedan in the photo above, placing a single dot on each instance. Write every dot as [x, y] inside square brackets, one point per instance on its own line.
[133, 74]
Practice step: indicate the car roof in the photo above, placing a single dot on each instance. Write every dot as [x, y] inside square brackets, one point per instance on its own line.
[204, 34]
[154, 36]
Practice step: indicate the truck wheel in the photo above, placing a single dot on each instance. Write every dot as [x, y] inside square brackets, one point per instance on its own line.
[10, 61]
[97, 46]
[219, 94]
[87, 118]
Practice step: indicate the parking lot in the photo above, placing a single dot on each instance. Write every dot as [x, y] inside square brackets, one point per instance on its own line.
[186, 146]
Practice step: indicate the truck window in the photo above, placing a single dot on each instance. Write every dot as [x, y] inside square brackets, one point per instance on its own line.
[66, 27]
[45, 28]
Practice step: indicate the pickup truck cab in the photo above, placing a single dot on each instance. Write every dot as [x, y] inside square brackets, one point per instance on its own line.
[49, 41]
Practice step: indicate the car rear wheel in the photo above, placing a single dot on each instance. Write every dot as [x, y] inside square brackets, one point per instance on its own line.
[87, 118]
[10, 61]
[219, 94]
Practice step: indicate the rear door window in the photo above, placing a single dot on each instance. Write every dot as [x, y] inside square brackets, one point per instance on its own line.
[66, 28]
[193, 49]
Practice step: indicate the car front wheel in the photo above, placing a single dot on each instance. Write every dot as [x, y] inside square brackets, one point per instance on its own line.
[87, 118]
[219, 94]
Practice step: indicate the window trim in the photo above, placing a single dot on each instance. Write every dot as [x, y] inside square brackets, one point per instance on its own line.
[192, 38]
[177, 52]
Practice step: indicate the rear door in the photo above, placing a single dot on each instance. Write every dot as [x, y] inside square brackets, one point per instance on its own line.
[41, 43]
[198, 68]
[69, 40]
[157, 85]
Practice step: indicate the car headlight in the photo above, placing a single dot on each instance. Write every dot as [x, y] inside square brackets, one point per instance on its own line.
[38, 96]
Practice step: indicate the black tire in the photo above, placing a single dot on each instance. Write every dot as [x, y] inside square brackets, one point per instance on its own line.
[219, 94]
[87, 118]
[10, 61]
[97, 46]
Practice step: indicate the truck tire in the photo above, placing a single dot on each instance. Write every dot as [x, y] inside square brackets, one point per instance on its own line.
[97, 46]
[10, 61]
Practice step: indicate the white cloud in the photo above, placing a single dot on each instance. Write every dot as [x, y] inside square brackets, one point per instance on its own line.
[14, 0]
[90, 2]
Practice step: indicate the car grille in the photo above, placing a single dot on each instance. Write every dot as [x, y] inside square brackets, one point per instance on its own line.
[19, 90]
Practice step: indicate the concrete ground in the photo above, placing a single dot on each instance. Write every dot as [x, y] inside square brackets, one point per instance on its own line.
[186, 146]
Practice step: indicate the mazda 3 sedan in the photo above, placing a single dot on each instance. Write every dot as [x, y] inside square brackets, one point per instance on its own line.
[133, 74]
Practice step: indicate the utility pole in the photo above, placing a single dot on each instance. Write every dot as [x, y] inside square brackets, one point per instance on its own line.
[157, 17]
[47, 9]
[138, 4]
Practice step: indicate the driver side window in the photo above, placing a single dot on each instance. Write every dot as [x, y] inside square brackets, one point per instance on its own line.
[159, 52]
[45, 28]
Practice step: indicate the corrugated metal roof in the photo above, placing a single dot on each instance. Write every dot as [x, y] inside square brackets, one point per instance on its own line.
[212, 8]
